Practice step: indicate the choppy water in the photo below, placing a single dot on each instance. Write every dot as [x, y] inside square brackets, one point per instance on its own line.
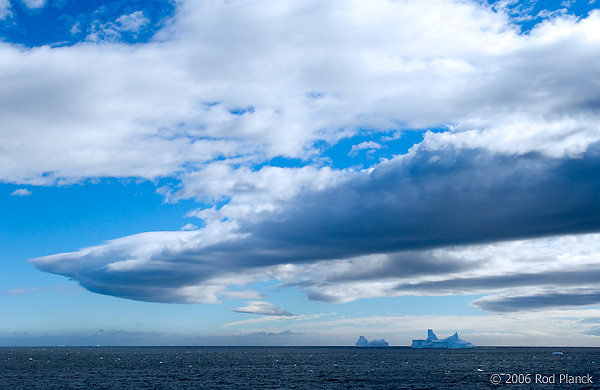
[294, 368]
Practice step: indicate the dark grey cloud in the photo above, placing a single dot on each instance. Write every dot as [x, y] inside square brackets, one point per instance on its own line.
[420, 201]
[423, 201]
[545, 300]
[323, 296]
[391, 267]
[583, 276]
[401, 265]
[530, 289]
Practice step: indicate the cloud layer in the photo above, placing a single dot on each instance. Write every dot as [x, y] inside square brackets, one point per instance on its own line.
[222, 81]
[400, 212]
[226, 86]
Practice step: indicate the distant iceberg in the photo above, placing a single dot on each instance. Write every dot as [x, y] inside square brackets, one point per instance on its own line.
[363, 342]
[452, 342]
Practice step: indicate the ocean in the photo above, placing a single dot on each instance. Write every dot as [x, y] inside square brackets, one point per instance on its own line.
[297, 368]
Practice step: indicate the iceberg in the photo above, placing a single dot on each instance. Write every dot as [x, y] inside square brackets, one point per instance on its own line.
[363, 342]
[452, 342]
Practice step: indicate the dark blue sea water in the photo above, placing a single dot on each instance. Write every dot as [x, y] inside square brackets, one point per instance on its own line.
[296, 368]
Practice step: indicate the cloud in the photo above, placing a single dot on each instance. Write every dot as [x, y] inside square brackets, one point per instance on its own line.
[551, 327]
[401, 211]
[22, 291]
[514, 156]
[262, 307]
[189, 226]
[34, 4]
[274, 319]
[590, 320]
[270, 334]
[5, 11]
[557, 328]
[518, 11]
[567, 3]
[553, 299]
[426, 200]
[595, 331]
[249, 192]
[133, 22]
[75, 29]
[39, 290]
[21, 192]
[156, 110]
[367, 145]
[506, 272]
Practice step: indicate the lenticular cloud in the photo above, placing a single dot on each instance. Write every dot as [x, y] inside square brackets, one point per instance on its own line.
[412, 203]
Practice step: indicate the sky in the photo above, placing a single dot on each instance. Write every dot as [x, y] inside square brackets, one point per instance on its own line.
[300, 172]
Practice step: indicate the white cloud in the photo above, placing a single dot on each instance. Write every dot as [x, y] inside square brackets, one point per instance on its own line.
[34, 4]
[22, 291]
[21, 192]
[518, 11]
[5, 11]
[367, 145]
[112, 32]
[251, 192]
[270, 319]
[133, 22]
[557, 137]
[189, 226]
[41, 290]
[262, 307]
[149, 111]
[75, 29]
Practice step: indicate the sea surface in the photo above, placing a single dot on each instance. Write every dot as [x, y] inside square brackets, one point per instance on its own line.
[297, 368]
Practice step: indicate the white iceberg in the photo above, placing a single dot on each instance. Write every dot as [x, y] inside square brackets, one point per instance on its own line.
[363, 342]
[452, 342]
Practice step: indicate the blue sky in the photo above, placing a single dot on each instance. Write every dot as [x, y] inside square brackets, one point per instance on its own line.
[301, 173]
